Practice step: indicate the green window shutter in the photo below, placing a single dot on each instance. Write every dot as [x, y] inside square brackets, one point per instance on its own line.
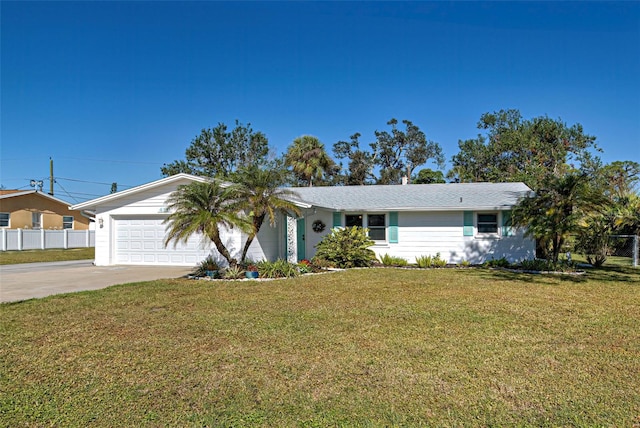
[467, 230]
[393, 227]
[506, 224]
[337, 219]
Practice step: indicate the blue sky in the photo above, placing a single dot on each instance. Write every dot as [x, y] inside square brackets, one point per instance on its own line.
[112, 90]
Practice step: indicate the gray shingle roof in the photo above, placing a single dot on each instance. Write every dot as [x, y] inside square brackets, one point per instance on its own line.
[415, 197]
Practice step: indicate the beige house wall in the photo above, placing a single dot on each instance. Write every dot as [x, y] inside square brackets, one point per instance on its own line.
[22, 207]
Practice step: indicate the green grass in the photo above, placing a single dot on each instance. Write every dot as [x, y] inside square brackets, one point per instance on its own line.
[35, 256]
[366, 347]
[612, 261]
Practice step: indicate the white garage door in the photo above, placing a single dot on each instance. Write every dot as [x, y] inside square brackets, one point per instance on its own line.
[140, 241]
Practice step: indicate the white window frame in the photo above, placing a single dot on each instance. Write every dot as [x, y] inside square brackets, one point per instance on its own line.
[8, 220]
[497, 223]
[36, 220]
[365, 223]
[70, 223]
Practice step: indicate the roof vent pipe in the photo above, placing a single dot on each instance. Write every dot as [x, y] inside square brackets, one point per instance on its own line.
[405, 180]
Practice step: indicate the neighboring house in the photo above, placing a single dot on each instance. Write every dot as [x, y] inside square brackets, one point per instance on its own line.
[31, 209]
[460, 221]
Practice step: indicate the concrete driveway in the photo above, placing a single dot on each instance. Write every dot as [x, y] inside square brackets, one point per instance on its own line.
[33, 280]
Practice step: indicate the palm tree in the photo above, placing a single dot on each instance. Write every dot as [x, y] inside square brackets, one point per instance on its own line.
[309, 159]
[262, 197]
[556, 210]
[202, 207]
[628, 213]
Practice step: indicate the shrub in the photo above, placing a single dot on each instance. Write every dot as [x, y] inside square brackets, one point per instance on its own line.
[595, 247]
[465, 263]
[208, 264]
[347, 248]
[547, 265]
[430, 261]
[438, 262]
[502, 263]
[304, 267]
[319, 264]
[424, 261]
[278, 269]
[388, 260]
[233, 272]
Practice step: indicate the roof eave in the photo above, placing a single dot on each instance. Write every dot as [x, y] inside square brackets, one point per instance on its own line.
[101, 200]
[421, 209]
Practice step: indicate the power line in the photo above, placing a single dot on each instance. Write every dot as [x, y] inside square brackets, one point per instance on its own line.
[65, 191]
[91, 182]
[85, 194]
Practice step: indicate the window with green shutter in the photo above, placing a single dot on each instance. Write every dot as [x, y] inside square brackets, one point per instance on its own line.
[467, 229]
[337, 219]
[507, 229]
[393, 227]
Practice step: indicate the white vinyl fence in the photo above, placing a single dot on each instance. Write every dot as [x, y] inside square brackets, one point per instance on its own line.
[42, 239]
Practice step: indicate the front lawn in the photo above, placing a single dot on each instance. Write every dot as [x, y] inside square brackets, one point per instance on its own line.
[35, 256]
[366, 347]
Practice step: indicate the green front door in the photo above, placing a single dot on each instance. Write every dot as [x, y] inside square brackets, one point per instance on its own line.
[300, 239]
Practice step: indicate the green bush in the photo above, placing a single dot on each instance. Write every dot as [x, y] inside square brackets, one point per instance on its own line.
[388, 260]
[430, 261]
[439, 262]
[318, 264]
[233, 272]
[208, 264]
[347, 248]
[594, 244]
[502, 263]
[547, 265]
[424, 261]
[278, 269]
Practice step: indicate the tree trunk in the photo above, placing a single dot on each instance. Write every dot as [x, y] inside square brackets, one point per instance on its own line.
[222, 249]
[257, 224]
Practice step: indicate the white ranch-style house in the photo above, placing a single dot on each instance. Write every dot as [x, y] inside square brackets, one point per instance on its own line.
[461, 221]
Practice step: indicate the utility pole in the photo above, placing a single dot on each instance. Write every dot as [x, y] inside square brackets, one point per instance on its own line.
[51, 176]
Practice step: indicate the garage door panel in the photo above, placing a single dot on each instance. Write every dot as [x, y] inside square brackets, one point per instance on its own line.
[141, 241]
[191, 260]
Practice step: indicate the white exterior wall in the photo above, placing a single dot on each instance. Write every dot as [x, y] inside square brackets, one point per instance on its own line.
[267, 244]
[312, 238]
[150, 204]
[429, 233]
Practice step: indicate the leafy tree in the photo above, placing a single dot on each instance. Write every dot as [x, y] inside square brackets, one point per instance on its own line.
[556, 209]
[428, 176]
[218, 152]
[202, 208]
[615, 182]
[361, 162]
[309, 161]
[618, 179]
[347, 247]
[394, 154]
[398, 152]
[516, 149]
[628, 214]
[593, 236]
[261, 195]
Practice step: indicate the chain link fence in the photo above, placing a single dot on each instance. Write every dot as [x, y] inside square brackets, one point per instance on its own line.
[621, 250]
